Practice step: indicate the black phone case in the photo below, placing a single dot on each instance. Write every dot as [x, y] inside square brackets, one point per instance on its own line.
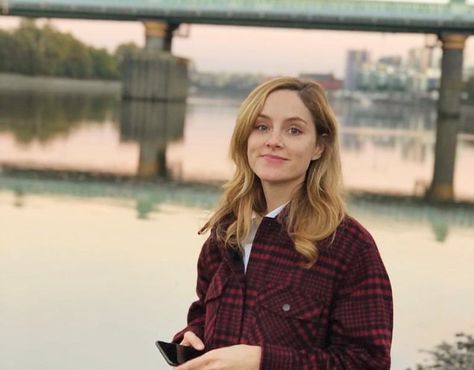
[187, 353]
[165, 355]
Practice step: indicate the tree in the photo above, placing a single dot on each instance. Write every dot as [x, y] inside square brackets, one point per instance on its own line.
[26, 57]
[7, 45]
[45, 51]
[125, 50]
[104, 65]
[458, 356]
[77, 62]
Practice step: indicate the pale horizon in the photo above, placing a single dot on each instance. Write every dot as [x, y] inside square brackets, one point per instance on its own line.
[252, 49]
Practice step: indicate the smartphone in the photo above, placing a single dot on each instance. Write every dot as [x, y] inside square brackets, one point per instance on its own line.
[176, 354]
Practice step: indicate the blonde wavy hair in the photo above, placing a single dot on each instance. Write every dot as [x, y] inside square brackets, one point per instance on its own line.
[316, 208]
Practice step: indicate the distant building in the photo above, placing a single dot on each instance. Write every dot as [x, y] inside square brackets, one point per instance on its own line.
[423, 59]
[387, 74]
[231, 83]
[326, 80]
[424, 68]
[419, 73]
[355, 60]
[393, 61]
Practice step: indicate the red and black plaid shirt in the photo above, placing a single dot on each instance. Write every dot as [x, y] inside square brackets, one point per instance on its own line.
[336, 315]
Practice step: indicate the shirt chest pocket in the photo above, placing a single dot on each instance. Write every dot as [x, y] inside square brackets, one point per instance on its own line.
[212, 301]
[286, 316]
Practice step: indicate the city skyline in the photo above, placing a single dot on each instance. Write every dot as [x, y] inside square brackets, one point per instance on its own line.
[252, 49]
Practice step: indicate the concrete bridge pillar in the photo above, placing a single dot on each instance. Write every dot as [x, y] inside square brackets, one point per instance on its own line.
[159, 35]
[154, 74]
[449, 113]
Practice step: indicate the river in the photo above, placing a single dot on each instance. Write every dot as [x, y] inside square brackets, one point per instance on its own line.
[95, 266]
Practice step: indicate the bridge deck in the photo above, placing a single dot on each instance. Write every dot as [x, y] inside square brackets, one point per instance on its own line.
[335, 14]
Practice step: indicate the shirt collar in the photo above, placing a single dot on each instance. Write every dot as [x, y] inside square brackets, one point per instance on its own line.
[276, 211]
[272, 214]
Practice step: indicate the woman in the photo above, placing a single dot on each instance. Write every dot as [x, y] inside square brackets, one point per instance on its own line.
[287, 280]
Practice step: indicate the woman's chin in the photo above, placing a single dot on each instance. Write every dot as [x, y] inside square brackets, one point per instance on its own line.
[275, 180]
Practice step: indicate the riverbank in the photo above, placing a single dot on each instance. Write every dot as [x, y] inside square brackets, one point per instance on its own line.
[20, 83]
[56, 176]
[17, 82]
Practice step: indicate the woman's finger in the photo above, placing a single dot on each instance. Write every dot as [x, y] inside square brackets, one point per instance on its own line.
[199, 363]
[191, 339]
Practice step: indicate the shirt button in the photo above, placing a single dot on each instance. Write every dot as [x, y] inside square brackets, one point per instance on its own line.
[286, 307]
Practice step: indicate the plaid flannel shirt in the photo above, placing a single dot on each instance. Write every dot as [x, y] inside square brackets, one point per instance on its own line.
[336, 315]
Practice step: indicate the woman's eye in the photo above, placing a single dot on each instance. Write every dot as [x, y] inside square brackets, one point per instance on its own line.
[261, 127]
[294, 131]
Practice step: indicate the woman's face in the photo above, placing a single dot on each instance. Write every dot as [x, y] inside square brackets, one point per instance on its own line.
[283, 141]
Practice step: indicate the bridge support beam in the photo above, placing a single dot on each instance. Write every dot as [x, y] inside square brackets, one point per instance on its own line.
[449, 113]
[159, 35]
[154, 74]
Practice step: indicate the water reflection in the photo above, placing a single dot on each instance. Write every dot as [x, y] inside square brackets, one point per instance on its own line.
[154, 126]
[106, 252]
[405, 128]
[43, 117]
[386, 146]
[363, 112]
[87, 265]
[19, 197]
[391, 210]
[147, 198]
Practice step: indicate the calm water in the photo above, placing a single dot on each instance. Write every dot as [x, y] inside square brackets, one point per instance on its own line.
[385, 147]
[92, 273]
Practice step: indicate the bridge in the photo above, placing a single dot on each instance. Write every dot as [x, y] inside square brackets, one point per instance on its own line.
[359, 15]
[155, 74]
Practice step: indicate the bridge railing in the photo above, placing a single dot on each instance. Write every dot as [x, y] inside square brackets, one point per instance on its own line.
[246, 5]
[286, 9]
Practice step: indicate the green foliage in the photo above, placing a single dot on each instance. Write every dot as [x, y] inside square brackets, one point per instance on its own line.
[45, 51]
[126, 50]
[457, 356]
[104, 65]
[6, 47]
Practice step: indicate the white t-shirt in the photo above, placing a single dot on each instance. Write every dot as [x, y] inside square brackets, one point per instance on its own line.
[253, 230]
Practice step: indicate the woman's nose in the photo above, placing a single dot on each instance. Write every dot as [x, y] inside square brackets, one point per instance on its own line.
[274, 139]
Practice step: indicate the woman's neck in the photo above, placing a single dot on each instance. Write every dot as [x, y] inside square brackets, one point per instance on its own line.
[276, 196]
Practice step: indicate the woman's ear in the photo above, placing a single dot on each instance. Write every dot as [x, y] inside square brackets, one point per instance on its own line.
[318, 151]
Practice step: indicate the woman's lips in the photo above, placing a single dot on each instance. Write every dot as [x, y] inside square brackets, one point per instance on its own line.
[272, 158]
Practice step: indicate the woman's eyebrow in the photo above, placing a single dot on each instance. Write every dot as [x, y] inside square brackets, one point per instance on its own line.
[295, 118]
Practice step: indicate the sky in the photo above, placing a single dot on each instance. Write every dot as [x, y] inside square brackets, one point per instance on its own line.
[252, 49]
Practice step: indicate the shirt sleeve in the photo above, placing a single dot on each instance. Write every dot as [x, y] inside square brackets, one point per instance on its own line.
[361, 320]
[208, 263]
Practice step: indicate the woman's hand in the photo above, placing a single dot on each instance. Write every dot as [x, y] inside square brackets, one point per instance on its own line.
[238, 357]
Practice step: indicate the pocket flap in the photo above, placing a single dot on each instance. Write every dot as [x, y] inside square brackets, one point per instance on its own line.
[289, 301]
[217, 284]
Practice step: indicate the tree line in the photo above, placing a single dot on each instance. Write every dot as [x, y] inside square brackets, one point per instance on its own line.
[43, 50]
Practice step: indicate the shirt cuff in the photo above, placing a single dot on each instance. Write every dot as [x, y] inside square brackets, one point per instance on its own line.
[276, 358]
